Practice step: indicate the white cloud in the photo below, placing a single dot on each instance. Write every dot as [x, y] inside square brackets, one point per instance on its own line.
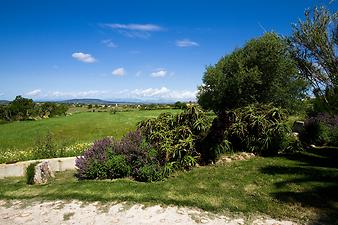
[78, 94]
[109, 43]
[159, 73]
[34, 93]
[186, 43]
[150, 94]
[163, 93]
[136, 27]
[119, 72]
[83, 57]
[134, 30]
[2, 94]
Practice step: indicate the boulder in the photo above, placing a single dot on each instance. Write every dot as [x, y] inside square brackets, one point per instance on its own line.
[43, 173]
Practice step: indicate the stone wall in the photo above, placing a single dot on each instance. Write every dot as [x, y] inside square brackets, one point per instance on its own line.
[19, 169]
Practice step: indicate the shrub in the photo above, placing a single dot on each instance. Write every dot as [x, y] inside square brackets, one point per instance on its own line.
[149, 173]
[260, 129]
[135, 150]
[30, 172]
[117, 167]
[94, 170]
[319, 129]
[109, 158]
[91, 164]
[174, 137]
[292, 144]
[45, 147]
[334, 137]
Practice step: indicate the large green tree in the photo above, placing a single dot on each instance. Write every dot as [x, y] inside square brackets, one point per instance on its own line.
[263, 71]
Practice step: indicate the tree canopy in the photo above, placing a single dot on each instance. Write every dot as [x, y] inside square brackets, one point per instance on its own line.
[314, 43]
[263, 71]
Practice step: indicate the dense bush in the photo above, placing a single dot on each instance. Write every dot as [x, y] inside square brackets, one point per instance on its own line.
[320, 129]
[109, 159]
[149, 173]
[91, 164]
[174, 137]
[117, 167]
[260, 129]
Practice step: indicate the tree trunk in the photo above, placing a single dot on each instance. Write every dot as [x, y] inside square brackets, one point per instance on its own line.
[215, 136]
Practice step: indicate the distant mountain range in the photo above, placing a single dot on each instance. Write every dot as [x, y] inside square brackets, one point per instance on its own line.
[88, 101]
[94, 101]
[3, 102]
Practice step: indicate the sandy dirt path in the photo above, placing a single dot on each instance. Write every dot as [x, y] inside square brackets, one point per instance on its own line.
[76, 212]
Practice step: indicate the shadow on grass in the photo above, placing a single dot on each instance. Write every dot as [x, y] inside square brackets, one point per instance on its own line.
[316, 173]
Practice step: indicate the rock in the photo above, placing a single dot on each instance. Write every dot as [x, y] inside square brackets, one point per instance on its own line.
[298, 126]
[43, 173]
[227, 159]
[204, 220]
[219, 162]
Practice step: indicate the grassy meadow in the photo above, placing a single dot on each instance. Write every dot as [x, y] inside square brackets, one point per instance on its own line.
[83, 127]
[300, 187]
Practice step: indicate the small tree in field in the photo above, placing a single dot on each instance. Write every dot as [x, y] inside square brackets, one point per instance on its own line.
[262, 71]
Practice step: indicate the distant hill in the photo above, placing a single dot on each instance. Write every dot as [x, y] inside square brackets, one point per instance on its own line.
[4, 102]
[96, 101]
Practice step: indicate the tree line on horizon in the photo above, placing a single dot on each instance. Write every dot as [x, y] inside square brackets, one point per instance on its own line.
[25, 109]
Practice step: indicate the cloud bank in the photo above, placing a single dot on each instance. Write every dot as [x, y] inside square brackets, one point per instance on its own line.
[147, 94]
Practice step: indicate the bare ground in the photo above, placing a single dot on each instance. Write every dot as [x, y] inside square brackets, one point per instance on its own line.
[15, 212]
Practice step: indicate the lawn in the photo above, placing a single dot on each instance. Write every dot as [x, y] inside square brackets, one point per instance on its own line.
[77, 128]
[301, 187]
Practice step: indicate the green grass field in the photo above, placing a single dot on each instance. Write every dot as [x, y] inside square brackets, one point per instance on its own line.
[301, 187]
[77, 128]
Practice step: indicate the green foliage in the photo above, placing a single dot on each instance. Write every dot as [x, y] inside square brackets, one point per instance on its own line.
[260, 129]
[260, 72]
[174, 137]
[25, 109]
[117, 167]
[51, 109]
[314, 47]
[334, 137]
[30, 172]
[328, 102]
[320, 129]
[96, 170]
[149, 173]
[180, 105]
[45, 147]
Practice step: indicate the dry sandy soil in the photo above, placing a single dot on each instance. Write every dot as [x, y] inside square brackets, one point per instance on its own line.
[76, 212]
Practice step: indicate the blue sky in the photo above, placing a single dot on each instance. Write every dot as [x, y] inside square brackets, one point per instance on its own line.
[126, 49]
